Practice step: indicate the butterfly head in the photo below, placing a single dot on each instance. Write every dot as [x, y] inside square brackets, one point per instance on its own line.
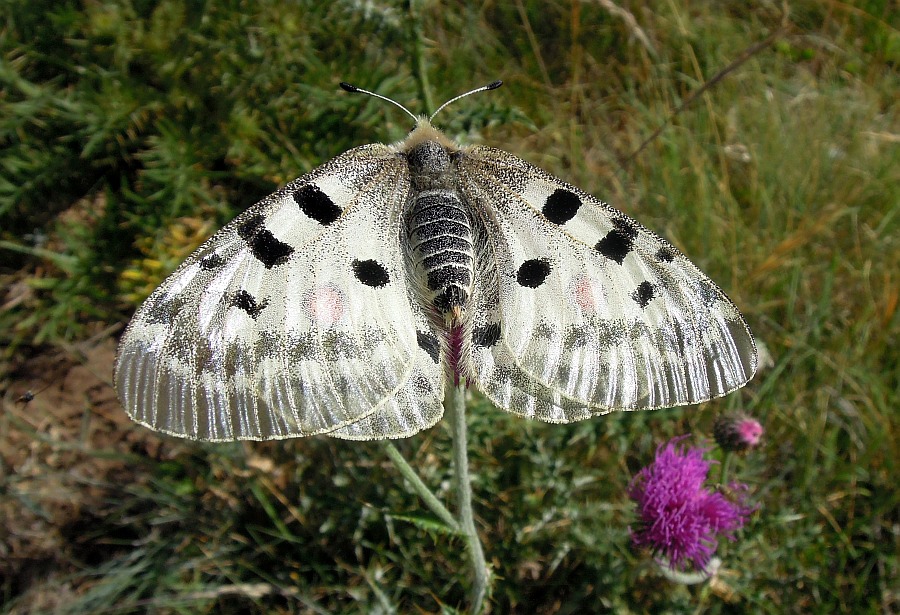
[424, 141]
[423, 131]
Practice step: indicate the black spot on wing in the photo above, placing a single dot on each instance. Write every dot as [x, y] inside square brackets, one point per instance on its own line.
[619, 241]
[665, 255]
[247, 302]
[213, 261]
[561, 206]
[262, 243]
[533, 272]
[643, 294]
[429, 343]
[316, 204]
[371, 273]
[486, 336]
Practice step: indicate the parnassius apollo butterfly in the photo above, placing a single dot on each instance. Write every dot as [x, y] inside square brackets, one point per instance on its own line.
[345, 303]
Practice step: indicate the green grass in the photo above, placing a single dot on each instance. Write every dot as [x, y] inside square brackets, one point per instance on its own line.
[130, 131]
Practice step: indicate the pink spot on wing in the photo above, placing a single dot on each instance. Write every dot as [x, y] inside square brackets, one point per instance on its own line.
[325, 305]
[583, 292]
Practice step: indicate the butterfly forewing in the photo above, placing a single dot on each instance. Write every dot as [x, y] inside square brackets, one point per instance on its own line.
[294, 319]
[595, 312]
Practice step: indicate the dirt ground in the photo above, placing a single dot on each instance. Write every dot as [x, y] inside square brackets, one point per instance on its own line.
[65, 450]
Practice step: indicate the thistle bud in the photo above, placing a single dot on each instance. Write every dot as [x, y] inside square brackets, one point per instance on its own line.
[737, 432]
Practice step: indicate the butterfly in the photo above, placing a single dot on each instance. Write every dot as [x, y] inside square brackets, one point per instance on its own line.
[348, 301]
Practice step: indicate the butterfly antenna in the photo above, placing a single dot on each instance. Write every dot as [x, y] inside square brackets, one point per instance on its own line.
[491, 86]
[352, 88]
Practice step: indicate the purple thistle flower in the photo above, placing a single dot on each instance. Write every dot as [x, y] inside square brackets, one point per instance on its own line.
[679, 519]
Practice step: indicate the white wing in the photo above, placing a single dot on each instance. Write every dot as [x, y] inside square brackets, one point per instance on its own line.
[292, 320]
[580, 310]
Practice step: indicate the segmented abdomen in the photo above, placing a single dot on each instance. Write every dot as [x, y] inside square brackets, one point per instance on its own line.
[441, 238]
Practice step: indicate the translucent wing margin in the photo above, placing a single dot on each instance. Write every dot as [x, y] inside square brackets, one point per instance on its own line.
[589, 311]
[292, 320]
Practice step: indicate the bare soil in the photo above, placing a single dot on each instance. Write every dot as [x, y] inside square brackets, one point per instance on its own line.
[66, 451]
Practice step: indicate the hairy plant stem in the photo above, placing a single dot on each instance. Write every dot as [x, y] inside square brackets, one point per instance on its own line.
[455, 410]
[726, 466]
[424, 492]
[464, 522]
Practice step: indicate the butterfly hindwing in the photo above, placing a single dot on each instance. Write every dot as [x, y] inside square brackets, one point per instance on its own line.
[294, 319]
[594, 312]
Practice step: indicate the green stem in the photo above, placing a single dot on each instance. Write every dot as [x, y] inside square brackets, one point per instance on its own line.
[726, 466]
[455, 409]
[424, 492]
